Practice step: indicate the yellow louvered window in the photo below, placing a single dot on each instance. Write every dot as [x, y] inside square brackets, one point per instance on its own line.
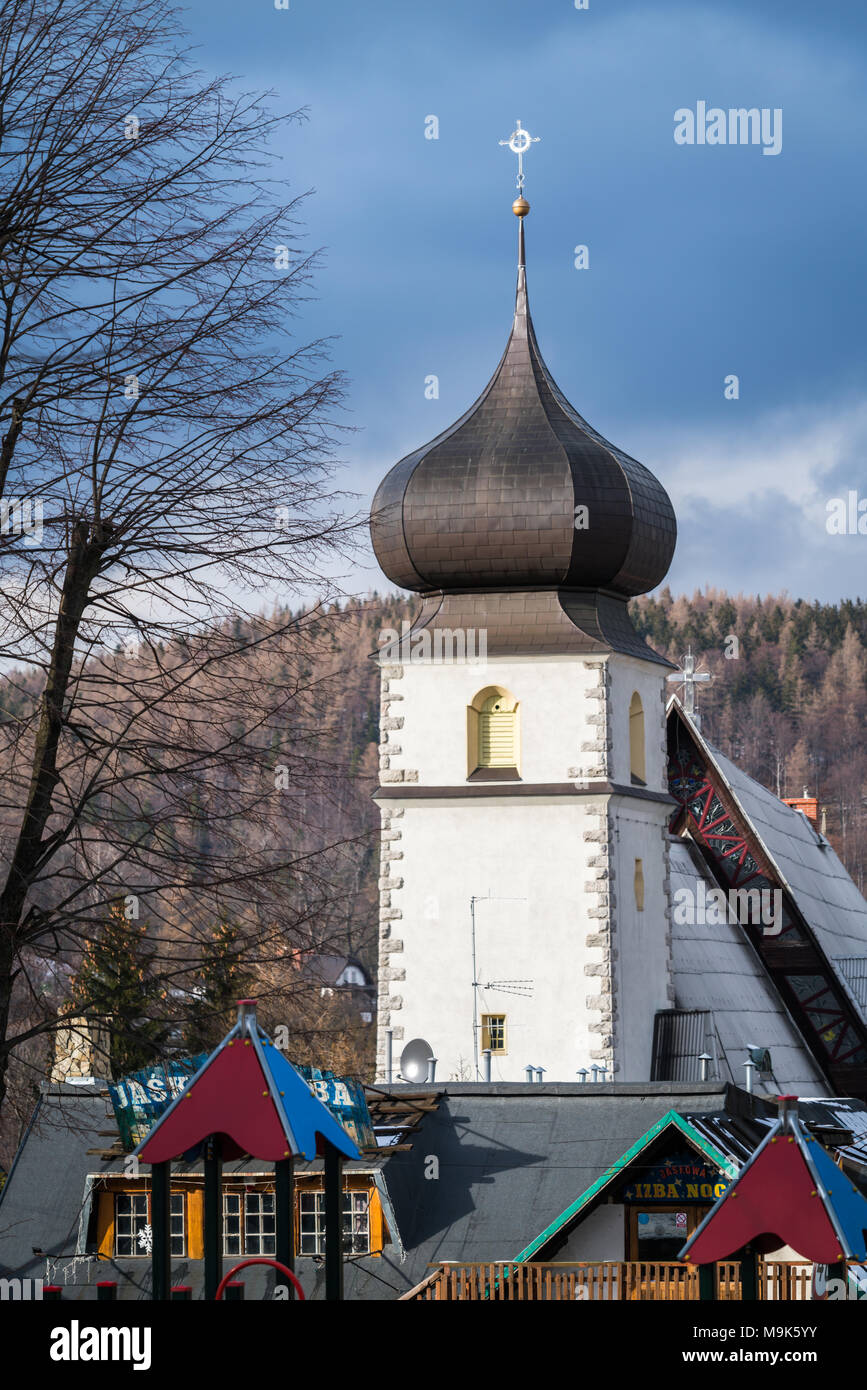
[493, 736]
[497, 733]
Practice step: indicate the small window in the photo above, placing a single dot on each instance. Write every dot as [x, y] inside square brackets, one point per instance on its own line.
[249, 1223]
[636, 741]
[639, 885]
[493, 1032]
[259, 1228]
[132, 1224]
[493, 736]
[356, 1223]
[177, 1242]
[232, 1223]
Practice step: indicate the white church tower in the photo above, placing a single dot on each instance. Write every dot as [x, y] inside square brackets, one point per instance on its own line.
[524, 892]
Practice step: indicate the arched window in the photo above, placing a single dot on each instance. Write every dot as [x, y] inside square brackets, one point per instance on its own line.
[636, 741]
[493, 735]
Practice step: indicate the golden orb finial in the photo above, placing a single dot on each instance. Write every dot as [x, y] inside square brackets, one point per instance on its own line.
[520, 207]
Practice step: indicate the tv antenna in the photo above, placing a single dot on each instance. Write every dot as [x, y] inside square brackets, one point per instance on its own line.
[524, 988]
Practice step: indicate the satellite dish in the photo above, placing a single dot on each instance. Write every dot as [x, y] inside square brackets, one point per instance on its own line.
[414, 1060]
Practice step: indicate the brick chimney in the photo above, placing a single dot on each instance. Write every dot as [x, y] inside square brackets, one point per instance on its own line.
[806, 803]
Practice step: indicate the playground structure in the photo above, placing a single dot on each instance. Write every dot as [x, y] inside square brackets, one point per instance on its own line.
[790, 1192]
[247, 1099]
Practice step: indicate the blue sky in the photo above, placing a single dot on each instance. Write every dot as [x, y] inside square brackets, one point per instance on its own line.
[704, 260]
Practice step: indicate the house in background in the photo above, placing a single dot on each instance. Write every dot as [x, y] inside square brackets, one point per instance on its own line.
[343, 977]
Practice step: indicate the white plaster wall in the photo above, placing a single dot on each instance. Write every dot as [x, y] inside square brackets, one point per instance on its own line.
[560, 868]
[600, 1237]
[530, 855]
[642, 970]
[627, 674]
[553, 709]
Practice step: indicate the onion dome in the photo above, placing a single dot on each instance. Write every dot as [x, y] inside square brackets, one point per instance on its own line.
[521, 493]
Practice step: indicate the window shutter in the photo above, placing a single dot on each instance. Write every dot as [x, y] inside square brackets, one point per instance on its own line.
[497, 738]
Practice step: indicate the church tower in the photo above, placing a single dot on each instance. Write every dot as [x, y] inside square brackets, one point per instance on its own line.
[524, 886]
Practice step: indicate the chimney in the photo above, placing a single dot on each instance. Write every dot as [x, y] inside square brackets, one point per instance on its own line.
[82, 1051]
[806, 803]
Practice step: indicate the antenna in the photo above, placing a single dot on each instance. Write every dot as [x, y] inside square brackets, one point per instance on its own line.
[522, 987]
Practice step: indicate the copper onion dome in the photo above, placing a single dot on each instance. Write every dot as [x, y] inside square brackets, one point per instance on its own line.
[491, 503]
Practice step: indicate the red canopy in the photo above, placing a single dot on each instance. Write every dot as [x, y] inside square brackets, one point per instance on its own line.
[791, 1192]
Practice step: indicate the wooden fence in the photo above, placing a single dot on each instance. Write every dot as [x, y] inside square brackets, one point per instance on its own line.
[604, 1280]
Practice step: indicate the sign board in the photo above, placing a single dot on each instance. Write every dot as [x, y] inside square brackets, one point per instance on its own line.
[344, 1097]
[682, 1178]
[140, 1098]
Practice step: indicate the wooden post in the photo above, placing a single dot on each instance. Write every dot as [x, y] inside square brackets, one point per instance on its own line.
[213, 1217]
[284, 1223]
[749, 1275]
[333, 1224]
[161, 1249]
[707, 1283]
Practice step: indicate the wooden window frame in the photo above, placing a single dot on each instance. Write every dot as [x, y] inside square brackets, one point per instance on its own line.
[486, 1035]
[141, 1254]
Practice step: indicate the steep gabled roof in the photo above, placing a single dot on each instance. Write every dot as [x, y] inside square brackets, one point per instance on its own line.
[807, 864]
[716, 969]
[671, 1120]
[804, 860]
[751, 840]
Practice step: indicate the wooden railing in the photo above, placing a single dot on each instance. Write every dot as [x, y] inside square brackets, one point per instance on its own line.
[603, 1280]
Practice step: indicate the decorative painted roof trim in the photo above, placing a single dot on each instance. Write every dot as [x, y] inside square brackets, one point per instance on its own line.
[669, 1119]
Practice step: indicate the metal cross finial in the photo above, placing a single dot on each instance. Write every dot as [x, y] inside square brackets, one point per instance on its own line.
[688, 676]
[519, 142]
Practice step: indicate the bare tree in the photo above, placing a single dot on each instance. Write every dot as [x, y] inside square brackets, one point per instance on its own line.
[176, 440]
